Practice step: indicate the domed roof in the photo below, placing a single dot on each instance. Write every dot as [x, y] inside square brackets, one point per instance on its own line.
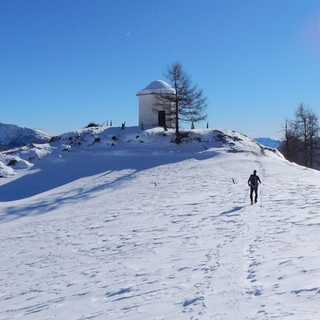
[157, 86]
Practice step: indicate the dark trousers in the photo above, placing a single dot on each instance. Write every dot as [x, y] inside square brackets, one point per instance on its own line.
[255, 190]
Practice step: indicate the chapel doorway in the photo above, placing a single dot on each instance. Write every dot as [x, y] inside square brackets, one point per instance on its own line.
[161, 118]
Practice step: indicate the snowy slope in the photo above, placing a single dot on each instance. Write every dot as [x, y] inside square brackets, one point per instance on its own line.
[111, 224]
[15, 136]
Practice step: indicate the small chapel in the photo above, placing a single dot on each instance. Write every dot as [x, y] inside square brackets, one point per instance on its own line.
[150, 113]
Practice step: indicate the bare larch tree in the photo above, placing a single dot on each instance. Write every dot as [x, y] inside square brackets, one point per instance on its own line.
[301, 137]
[187, 104]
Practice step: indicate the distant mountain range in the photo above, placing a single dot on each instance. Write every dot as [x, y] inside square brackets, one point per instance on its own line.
[14, 136]
[268, 142]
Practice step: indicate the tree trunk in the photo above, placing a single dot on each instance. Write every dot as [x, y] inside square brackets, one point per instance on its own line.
[178, 139]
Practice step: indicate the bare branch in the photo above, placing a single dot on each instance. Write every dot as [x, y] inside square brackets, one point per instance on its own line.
[188, 104]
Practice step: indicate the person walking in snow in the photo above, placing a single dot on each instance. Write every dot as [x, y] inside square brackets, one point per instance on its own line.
[253, 183]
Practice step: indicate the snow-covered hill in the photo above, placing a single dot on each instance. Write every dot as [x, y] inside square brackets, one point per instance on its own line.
[15, 136]
[114, 141]
[122, 224]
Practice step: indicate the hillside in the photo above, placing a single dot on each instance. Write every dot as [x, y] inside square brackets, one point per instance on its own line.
[106, 223]
[115, 142]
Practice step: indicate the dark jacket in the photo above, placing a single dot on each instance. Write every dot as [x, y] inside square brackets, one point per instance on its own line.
[253, 181]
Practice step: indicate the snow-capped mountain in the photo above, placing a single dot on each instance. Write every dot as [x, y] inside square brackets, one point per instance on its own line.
[105, 223]
[15, 136]
[268, 142]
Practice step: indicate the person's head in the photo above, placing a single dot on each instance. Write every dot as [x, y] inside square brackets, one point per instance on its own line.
[254, 171]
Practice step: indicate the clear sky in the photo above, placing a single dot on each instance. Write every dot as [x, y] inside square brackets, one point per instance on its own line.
[65, 63]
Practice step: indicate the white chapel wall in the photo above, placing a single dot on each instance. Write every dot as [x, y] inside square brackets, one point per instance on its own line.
[147, 116]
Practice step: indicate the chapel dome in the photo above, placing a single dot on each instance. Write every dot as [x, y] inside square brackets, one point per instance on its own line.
[157, 86]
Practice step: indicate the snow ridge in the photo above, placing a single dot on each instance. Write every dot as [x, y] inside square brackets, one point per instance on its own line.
[129, 141]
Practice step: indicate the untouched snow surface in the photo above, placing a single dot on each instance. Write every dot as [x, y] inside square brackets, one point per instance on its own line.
[111, 224]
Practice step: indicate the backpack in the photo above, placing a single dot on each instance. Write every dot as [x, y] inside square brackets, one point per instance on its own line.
[253, 181]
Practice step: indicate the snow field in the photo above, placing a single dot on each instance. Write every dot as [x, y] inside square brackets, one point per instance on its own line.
[169, 237]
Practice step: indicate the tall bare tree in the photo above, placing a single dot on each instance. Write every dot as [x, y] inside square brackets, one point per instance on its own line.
[306, 128]
[187, 104]
[290, 142]
[301, 137]
[313, 130]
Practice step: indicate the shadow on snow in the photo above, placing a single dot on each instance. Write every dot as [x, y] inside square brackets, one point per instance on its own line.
[233, 210]
[50, 173]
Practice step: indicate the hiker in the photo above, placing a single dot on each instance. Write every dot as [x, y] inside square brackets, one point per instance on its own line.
[253, 183]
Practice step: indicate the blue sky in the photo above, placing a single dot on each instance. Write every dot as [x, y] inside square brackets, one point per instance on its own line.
[65, 63]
